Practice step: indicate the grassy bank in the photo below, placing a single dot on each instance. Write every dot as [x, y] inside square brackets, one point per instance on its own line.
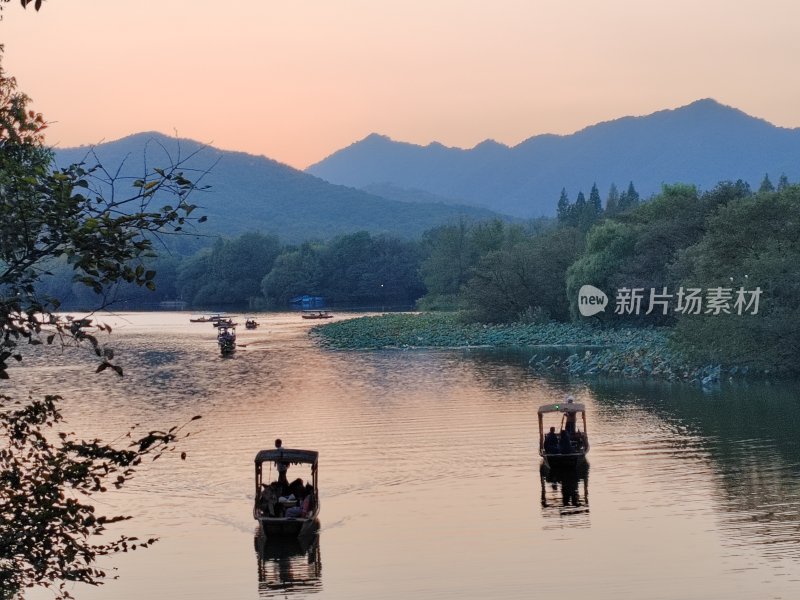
[626, 352]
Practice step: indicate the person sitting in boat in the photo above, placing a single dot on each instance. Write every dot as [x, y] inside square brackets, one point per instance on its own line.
[268, 500]
[551, 442]
[297, 487]
[304, 508]
[565, 443]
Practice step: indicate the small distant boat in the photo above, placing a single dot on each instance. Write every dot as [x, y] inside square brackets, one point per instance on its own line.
[205, 318]
[226, 339]
[224, 322]
[285, 511]
[569, 446]
[251, 323]
[316, 314]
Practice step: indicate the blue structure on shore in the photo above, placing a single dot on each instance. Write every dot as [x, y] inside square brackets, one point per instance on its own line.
[307, 301]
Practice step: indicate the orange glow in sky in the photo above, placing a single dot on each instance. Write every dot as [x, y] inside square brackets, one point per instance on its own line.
[296, 80]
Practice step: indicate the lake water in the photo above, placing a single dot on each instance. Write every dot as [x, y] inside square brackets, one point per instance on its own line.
[429, 473]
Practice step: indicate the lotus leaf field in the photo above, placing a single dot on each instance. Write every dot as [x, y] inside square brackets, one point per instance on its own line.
[624, 352]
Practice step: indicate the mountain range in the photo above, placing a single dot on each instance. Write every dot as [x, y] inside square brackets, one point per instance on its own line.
[384, 186]
[253, 193]
[702, 143]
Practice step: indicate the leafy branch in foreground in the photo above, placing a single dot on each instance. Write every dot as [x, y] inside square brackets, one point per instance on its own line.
[46, 521]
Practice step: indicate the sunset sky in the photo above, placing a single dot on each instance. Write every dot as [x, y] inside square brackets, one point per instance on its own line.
[296, 80]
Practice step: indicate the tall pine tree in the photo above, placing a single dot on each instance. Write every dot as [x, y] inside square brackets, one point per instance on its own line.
[612, 201]
[563, 207]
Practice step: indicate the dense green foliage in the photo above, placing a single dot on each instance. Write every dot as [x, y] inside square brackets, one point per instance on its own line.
[522, 281]
[637, 248]
[353, 270]
[452, 252]
[726, 241]
[230, 273]
[749, 244]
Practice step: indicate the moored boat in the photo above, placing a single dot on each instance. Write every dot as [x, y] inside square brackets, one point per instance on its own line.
[205, 318]
[569, 446]
[316, 314]
[286, 509]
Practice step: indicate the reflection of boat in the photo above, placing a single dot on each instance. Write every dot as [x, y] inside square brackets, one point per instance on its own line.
[250, 323]
[316, 314]
[286, 510]
[286, 566]
[570, 445]
[226, 338]
[561, 487]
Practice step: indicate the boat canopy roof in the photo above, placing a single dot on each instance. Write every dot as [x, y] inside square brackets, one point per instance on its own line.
[287, 455]
[562, 407]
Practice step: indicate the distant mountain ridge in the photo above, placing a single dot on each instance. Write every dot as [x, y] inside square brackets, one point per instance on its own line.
[254, 193]
[702, 143]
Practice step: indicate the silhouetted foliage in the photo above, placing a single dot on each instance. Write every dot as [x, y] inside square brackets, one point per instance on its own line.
[48, 521]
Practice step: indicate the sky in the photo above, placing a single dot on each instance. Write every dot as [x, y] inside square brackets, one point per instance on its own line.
[296, 80]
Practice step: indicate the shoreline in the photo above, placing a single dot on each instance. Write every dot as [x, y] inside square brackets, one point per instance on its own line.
[624, 352]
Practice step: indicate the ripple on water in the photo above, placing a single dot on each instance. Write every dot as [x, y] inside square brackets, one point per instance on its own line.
[429, 471]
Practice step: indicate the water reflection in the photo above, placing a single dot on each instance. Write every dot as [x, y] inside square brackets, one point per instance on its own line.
[288, 566]
[746, 433]
[565, 489]
[415, 445]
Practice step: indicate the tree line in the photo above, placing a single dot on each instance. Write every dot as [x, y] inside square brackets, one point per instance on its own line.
[728, 240]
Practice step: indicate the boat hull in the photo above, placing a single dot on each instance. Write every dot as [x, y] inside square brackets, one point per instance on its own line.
[286, 528]
[556, 461]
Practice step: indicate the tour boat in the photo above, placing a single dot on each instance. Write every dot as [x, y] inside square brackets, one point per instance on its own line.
[566, 444]
[288, 509]
[226, 338]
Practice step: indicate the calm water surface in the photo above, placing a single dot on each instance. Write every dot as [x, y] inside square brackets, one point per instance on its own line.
[429, 473]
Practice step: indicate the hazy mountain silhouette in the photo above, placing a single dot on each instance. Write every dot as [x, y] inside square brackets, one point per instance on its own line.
[702, 143]
[254, 193]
